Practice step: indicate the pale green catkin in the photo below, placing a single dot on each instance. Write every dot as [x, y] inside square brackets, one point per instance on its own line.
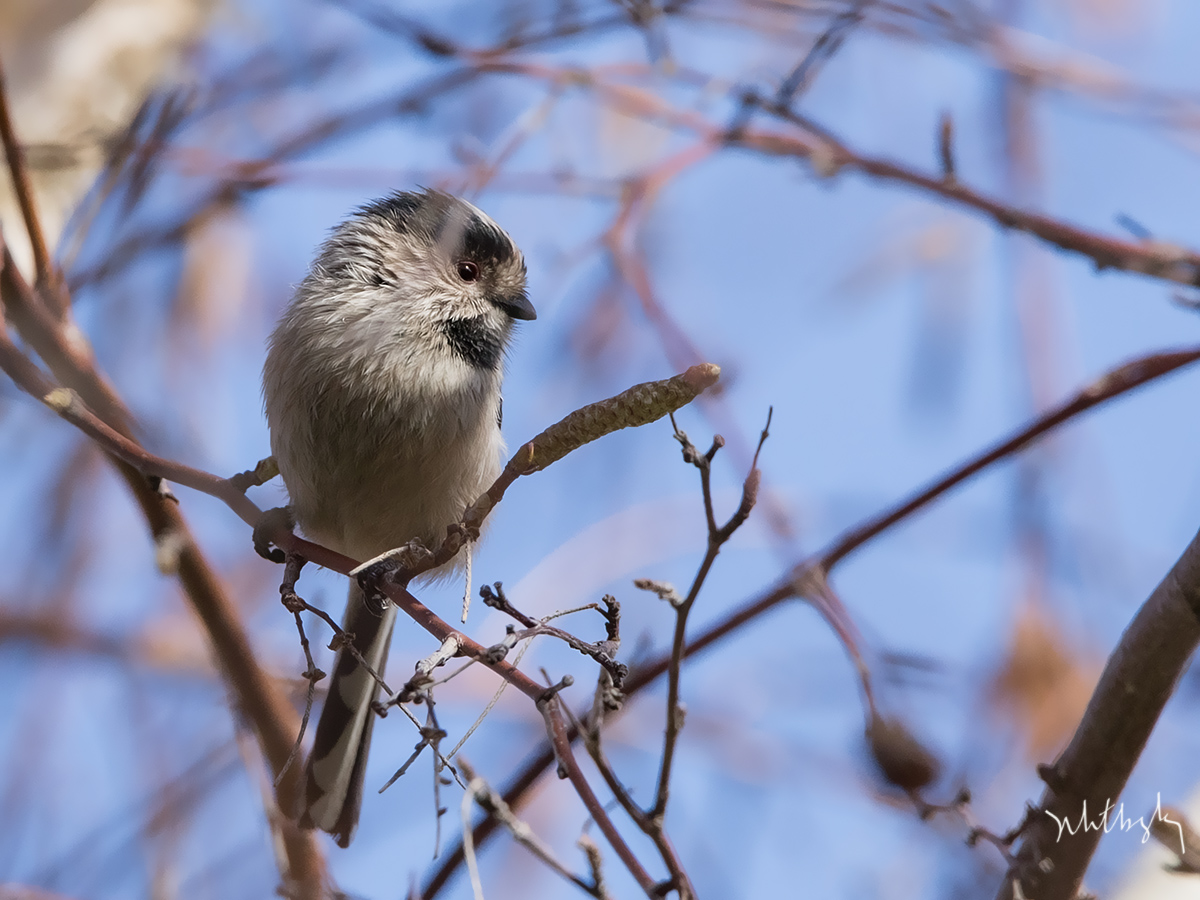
[640, 405]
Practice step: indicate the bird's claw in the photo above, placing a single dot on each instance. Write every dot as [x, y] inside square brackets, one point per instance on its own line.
[270, 522]
[372, 576]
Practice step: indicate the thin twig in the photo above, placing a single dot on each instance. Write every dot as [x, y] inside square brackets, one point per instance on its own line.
[569, 767]
[596, 862]
[717, 537]
[830, 155]
[825, 46]
[469, 844]
[422, 678]
[445, 758]
[603, 653]
[435, 734]
[342, 639]
[293, 603]
[495, 807]
[491, 704]
[653, 828]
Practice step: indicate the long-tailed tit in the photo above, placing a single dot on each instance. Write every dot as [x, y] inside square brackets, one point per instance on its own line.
[382, 391]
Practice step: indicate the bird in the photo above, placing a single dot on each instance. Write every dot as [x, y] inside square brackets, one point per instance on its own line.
[381, 388]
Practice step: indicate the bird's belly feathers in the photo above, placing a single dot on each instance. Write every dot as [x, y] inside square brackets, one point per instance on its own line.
[363, 489]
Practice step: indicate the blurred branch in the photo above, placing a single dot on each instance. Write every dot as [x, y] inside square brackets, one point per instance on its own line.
[51, 631]
[256, 175]
[19, 173]
[829, 156]
[1090, 774]
[65, 351]
[1033, 57]
[1172, 828]
[1112, 384]
[421, 36]
[68, 406]
[824, 47]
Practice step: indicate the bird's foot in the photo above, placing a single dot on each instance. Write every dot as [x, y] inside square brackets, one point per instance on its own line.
[270, 522]
[389, 568]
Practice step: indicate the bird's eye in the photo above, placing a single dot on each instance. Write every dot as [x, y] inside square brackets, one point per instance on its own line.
[468, 271]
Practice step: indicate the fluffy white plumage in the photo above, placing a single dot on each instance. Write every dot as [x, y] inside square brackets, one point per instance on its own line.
[382, 393]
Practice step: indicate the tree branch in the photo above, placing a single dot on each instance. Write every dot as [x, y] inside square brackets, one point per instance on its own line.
[1137, 681]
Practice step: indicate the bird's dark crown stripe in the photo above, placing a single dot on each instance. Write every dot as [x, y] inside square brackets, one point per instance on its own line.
[432, 213]
[484, 242]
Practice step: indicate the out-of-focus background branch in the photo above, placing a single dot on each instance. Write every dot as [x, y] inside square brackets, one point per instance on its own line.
[77, 72]
[687, 182]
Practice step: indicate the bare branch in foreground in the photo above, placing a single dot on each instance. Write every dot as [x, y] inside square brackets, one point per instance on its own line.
[717, 537]
[293, 604]
[1171, 828]
[1139, 678]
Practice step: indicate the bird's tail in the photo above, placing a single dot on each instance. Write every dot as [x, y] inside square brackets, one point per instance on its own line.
[333, 776]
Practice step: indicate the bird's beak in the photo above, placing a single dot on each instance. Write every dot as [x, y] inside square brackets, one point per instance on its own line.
[517, 306]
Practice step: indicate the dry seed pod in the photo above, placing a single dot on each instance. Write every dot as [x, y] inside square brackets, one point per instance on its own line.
[901, 758]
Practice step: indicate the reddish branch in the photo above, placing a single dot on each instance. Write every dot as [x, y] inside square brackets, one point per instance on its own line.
[717, 537]
[1112, 384]
[829, 156]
